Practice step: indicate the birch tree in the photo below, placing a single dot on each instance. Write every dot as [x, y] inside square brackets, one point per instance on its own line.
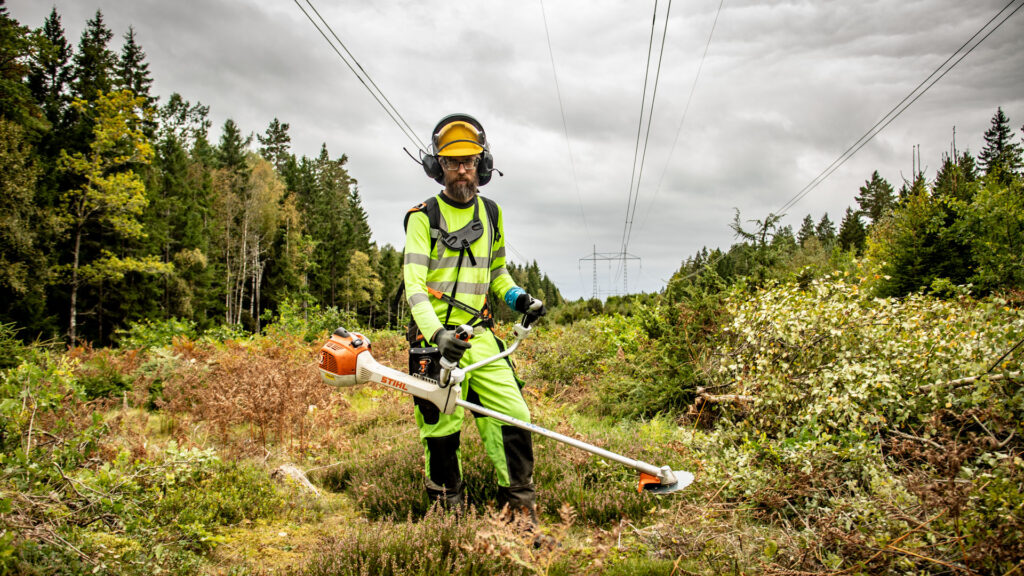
[111, 195]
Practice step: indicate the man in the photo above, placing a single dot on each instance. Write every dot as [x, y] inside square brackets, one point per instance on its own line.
[454, 258]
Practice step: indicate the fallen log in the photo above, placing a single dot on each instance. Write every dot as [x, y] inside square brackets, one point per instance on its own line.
[970, 380]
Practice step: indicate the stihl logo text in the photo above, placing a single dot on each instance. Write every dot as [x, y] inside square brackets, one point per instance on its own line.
[392, 382]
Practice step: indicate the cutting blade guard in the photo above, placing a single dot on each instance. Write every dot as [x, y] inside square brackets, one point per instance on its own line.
[667, 482]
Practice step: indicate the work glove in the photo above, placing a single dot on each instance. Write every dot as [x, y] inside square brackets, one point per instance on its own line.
[449, 345]
[526, 304]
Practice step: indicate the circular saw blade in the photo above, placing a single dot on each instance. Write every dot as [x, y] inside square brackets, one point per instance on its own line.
[683, 479]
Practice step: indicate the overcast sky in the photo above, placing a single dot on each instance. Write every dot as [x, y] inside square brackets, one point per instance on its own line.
[785, 88]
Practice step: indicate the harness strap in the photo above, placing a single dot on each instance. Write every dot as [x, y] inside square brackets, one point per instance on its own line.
[433, 211]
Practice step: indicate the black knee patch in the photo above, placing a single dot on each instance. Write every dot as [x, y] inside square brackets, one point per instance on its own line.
[444, 462]
[518, 456]
[474, 398]
[430, 412]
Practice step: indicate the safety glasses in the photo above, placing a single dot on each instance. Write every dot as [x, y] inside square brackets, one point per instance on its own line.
[452, 163]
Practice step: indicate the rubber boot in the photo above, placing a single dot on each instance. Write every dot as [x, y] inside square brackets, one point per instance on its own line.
[451, 500]
[518, 505]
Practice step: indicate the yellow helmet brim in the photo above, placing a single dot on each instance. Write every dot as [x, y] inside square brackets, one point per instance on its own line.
[458, 139]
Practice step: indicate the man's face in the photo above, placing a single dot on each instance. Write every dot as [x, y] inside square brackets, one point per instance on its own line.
[460, 176]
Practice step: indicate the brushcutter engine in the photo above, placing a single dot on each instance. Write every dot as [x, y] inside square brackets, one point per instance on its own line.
[345, 360]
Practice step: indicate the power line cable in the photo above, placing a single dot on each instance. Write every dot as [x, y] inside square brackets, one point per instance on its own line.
[565, 125]
[365, 73]
[392, 112]
[856, 146]
[640, 124]
[686, 109]
[519, 254]
[899, 108]
[647, 136]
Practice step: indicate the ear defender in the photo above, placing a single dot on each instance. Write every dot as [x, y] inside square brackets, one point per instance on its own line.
[433, 168]
[431, 163]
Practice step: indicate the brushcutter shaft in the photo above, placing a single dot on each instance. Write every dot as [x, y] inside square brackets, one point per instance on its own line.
[520, 332]
[634, 464]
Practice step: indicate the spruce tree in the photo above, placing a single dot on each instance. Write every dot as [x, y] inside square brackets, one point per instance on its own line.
[806, 230]
[232, 148]
[274, 145]
[16, 101]
[852, 234]
[956, 178]
[358, 225]
[876, 197]
[133, 70]
[784, 242]
[911, 189]
[95, 63]
[1001, 157]
[50, 70]
[324, 201]
[825, 231]
[23, 263]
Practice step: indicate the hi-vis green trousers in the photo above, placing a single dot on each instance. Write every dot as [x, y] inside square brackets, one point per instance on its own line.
[510, 449]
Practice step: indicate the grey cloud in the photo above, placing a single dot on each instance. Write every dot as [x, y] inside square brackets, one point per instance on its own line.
[786, 87]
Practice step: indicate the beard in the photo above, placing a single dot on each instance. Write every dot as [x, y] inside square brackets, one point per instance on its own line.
[460, 188]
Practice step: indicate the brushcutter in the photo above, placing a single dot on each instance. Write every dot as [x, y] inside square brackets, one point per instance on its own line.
[345, 360]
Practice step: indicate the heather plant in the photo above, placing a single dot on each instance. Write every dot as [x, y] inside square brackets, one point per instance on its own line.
[440, 543]
[127, 516]
[387, 482]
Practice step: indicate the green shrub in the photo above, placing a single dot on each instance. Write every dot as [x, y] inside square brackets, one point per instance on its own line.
[859, 430]
[225, 332]
[34, 390]
[99, 377]
[312, 321]
[830, 358]
[11, 348]
[147, 334]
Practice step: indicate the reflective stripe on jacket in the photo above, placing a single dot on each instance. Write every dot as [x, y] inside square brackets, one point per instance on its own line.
[437, 268]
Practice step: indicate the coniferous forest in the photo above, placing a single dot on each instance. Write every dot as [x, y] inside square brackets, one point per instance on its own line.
[123, 211]
[847, 393]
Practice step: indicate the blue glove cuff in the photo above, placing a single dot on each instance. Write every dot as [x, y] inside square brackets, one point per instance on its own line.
[512, 295]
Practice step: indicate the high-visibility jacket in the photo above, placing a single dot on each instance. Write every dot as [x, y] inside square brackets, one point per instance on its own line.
[443, 269]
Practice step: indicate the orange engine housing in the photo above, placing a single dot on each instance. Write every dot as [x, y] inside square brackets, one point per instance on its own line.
[338, 357]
